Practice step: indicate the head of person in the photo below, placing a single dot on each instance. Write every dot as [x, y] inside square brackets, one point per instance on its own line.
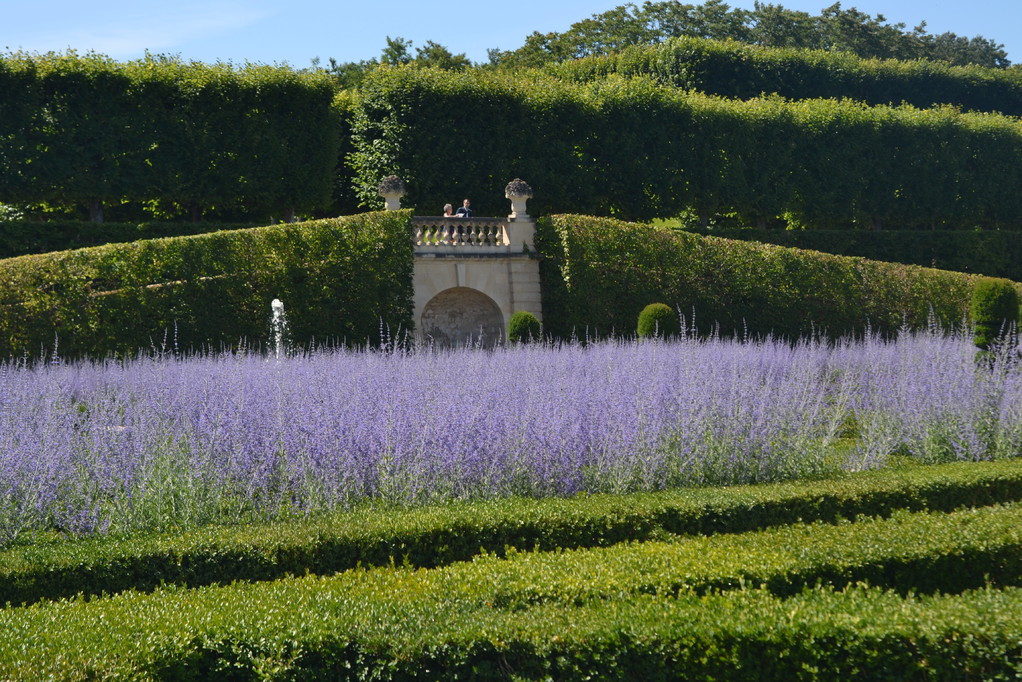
[465, 203]
[448, 209]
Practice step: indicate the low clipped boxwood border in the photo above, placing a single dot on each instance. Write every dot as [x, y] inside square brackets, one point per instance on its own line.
[383, 625]
[435, 536]
[912, 552]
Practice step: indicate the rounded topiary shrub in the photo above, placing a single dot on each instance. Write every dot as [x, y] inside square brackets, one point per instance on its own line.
[994, 308]
[524, 327]
[658, 319]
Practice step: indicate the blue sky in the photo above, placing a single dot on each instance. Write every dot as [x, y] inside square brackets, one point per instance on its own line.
[269, 31]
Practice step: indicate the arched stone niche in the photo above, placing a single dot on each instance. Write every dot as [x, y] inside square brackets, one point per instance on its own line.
[462, 316]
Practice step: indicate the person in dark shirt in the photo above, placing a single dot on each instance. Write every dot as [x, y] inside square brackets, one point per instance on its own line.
[464, 211]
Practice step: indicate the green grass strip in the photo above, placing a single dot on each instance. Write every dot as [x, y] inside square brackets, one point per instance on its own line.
[439, 535]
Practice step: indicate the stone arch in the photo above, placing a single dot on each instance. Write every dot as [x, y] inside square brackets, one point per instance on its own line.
[460, 316]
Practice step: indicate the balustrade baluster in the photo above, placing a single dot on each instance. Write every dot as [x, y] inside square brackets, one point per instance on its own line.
[434, 232]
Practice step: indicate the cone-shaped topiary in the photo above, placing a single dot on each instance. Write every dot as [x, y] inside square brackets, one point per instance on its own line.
[658, 319]
[994, 308]
[524, 327]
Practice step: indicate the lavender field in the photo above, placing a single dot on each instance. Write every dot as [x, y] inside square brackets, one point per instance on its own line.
[154, 443]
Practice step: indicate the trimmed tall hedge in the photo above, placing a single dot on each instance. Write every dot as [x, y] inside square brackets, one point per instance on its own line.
[23, 237]
[740, 70]
[598, 274]
[339, 281]
[637, 150]
[996, 253]
[84, 129]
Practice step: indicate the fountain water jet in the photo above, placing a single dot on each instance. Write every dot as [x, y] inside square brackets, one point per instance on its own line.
[278, 328]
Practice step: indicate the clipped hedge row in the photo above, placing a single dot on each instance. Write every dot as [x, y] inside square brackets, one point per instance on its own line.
[599, 273]
[401, 625]
[435, 536]
[451, 136]
[634, 149]
[339, 279]
[735, 69]
[85, 129]
[923, 553]
[23, 237]
[995, 253]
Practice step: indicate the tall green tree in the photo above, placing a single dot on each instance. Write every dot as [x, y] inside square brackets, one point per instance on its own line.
[962, 51]
[834, 28]
[398, 51]
[350, 75]
[436, 55]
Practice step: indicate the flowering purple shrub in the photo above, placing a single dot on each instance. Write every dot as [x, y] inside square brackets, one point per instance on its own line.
[164, 442]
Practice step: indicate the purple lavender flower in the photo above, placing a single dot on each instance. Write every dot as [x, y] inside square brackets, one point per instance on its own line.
[159, 442]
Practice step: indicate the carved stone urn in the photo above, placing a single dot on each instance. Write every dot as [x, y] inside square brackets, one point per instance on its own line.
[519, 192]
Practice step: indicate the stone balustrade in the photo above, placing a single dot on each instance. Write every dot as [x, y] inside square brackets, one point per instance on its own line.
[471, 274]
[464, 235]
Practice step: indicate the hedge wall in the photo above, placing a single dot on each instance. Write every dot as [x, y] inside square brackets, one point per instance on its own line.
[393, 624]
[439, 535]
[338, 279]
[598, 274]
[23, 237]
[637, 150]
[86, 130]
[995, 253]
[451, 136]
[734, 69]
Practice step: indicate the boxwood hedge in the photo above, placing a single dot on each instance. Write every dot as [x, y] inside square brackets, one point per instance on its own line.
[339, 279]
[403, 625]
[637, 149]
[434, 536]
[599, 273]
[740, 70]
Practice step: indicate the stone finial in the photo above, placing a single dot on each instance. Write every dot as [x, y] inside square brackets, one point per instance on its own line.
[519, 192]
[392, 188]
